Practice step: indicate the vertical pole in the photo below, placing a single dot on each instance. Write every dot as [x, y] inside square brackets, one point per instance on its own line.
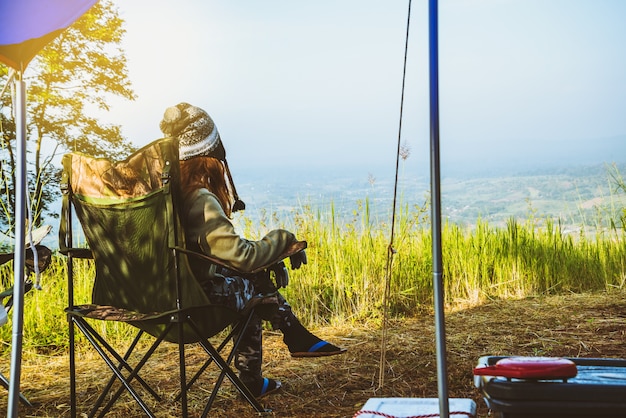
[68, 239]
[20, 244]
[440, 327]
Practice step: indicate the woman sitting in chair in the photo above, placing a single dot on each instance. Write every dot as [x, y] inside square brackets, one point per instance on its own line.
[209, 199]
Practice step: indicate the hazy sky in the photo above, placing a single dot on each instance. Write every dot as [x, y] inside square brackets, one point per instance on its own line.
[319, 82]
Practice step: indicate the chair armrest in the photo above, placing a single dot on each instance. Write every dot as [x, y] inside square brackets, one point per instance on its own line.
[5, 258]
[44, 257]
[289, 251]
[77, 252]
[294, 248]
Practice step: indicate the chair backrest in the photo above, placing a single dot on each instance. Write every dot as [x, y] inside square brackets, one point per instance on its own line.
[127, 211]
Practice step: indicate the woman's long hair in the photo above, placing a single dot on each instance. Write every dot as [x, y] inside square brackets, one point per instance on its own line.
[208, 173]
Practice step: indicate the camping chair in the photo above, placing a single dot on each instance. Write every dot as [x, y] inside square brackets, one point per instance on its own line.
[44, 256]
[128, 213]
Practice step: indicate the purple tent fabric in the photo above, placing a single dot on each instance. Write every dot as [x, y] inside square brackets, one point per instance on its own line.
[26, 26]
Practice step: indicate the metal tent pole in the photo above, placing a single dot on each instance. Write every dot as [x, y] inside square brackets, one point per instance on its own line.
[440, 329]
[19, 251]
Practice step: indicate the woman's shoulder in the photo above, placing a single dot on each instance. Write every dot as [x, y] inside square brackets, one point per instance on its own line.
[201, 193]
[200, 197]
[202, 205]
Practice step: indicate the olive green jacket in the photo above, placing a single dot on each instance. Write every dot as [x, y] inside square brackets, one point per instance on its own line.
[208, 229]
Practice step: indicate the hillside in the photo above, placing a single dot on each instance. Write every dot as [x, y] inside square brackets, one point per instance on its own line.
[576, 195]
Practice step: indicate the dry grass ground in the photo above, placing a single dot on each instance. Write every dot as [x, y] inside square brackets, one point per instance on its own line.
[590, 325]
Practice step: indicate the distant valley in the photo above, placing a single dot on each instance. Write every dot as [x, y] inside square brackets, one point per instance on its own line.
[576, 195]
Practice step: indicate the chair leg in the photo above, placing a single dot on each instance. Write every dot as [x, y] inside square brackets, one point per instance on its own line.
[182, 372]
[133, 374]
[227, 371]
[72, 359]
[94, 339]
[5, 383]
[112, 379]
[207, 363]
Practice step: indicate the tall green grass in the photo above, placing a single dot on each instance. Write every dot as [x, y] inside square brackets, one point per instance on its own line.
[345, 278]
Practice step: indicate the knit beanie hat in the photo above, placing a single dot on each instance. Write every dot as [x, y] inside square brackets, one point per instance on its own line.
[197, 136]
[195, 130]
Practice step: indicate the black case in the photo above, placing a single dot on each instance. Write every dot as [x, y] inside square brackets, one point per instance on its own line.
[598, 390]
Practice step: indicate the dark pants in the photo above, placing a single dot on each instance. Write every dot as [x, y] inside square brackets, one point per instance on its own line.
[236, 292]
